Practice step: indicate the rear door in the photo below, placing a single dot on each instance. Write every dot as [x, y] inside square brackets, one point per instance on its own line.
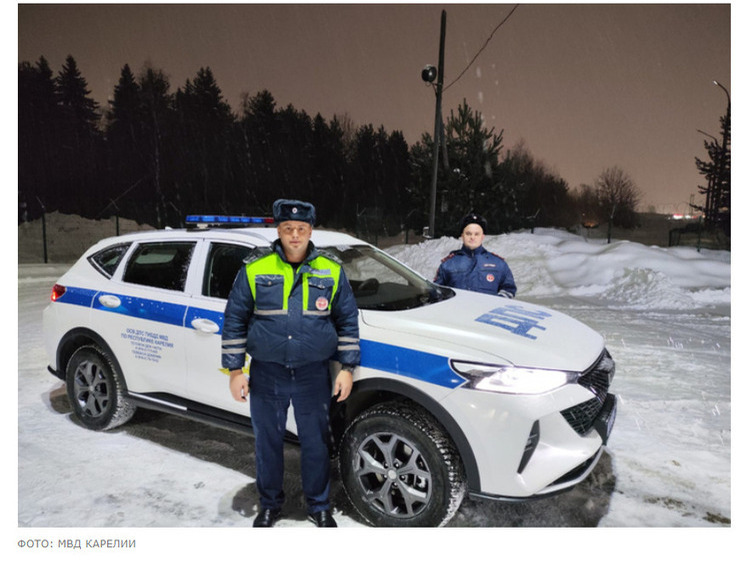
[141, 315]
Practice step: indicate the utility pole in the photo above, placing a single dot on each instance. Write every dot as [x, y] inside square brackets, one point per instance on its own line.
[437, 126]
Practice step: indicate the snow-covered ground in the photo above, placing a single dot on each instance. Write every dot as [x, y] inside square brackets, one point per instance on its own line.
[666, 316]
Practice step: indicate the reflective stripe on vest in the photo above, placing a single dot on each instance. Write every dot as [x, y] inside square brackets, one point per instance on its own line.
[272, 269]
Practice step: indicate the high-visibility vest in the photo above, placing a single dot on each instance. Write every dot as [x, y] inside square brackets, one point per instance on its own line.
[292, 317]
[272, 280]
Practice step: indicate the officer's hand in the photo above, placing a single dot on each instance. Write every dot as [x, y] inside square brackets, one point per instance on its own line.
[239, 385]
[343, 385]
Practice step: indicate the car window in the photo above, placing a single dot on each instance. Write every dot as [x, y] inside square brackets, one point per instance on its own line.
[107, 260]
[224, 261]
[380, 282]
[162, 264]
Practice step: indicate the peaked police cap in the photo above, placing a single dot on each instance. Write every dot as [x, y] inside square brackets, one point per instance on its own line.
[293, 210]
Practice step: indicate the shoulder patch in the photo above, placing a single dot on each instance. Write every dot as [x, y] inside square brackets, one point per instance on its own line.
[257, 253]
[451, 255]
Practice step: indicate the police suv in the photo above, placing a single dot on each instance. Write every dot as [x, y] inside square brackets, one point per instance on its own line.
[457, 392]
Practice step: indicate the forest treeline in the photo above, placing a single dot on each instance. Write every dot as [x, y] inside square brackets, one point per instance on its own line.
[155, 156]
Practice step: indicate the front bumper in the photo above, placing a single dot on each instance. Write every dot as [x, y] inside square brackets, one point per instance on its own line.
[532, 446]
[562, 484]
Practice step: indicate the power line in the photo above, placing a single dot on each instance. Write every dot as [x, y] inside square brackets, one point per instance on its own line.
[482, 48]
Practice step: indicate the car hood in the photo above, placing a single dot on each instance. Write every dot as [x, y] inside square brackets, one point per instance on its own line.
[478, 327]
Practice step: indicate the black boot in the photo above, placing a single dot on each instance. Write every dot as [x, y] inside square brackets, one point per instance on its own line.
[323, 518]
[266, 518]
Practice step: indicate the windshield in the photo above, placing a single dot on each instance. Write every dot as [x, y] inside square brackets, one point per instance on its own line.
[380, 282]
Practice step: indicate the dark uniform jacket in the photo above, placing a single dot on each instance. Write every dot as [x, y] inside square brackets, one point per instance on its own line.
[477, 270]
[290, 317]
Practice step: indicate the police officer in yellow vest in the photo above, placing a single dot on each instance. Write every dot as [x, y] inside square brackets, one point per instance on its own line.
[292, 310]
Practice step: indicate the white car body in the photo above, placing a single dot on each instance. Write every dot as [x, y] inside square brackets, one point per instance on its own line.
[166, 343]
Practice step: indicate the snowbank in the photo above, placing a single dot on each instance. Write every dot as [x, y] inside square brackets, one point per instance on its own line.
[552, 263]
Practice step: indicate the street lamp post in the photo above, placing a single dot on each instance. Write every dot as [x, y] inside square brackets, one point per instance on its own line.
[720, 85]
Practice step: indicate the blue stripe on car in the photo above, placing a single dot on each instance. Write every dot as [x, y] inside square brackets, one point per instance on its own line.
[76, 295]
[147, 309]
[419, 365]
[397, 360]
[193, 313]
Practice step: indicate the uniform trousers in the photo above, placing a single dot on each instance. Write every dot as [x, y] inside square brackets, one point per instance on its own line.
[273, 387]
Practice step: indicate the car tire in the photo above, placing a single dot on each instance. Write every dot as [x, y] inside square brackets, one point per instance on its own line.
[95, 389]
[400, 469]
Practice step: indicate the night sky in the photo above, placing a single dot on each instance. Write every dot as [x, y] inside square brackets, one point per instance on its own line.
[585, 87]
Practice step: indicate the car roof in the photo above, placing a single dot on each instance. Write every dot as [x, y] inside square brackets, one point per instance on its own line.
[255, 236]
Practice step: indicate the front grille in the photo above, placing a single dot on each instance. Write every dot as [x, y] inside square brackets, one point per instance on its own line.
[597, 380]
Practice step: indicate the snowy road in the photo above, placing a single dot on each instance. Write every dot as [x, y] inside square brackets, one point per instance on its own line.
[668, 462]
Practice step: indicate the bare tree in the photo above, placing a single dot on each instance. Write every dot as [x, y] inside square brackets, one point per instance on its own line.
[618, 197]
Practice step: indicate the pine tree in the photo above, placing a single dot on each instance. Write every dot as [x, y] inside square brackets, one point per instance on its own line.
[542, 197]
[397, 181]
[125, 115]
[127, 161]
[717, 172]
[157, 111]
[328, 169]
[204, 179]
[80, 143]
[80, 111]
[259, 128]
[469, 174]
[38, 141]
[473, 153]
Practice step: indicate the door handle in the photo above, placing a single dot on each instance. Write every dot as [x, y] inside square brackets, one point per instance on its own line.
[110, 301]
[205, 325]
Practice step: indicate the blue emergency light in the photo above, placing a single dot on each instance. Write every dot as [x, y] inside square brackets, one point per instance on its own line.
[226, 220]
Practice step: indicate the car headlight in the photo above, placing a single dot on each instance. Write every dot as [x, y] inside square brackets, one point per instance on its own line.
[513, 380]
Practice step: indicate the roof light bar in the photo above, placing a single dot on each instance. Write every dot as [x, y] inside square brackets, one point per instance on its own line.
[226, 220]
